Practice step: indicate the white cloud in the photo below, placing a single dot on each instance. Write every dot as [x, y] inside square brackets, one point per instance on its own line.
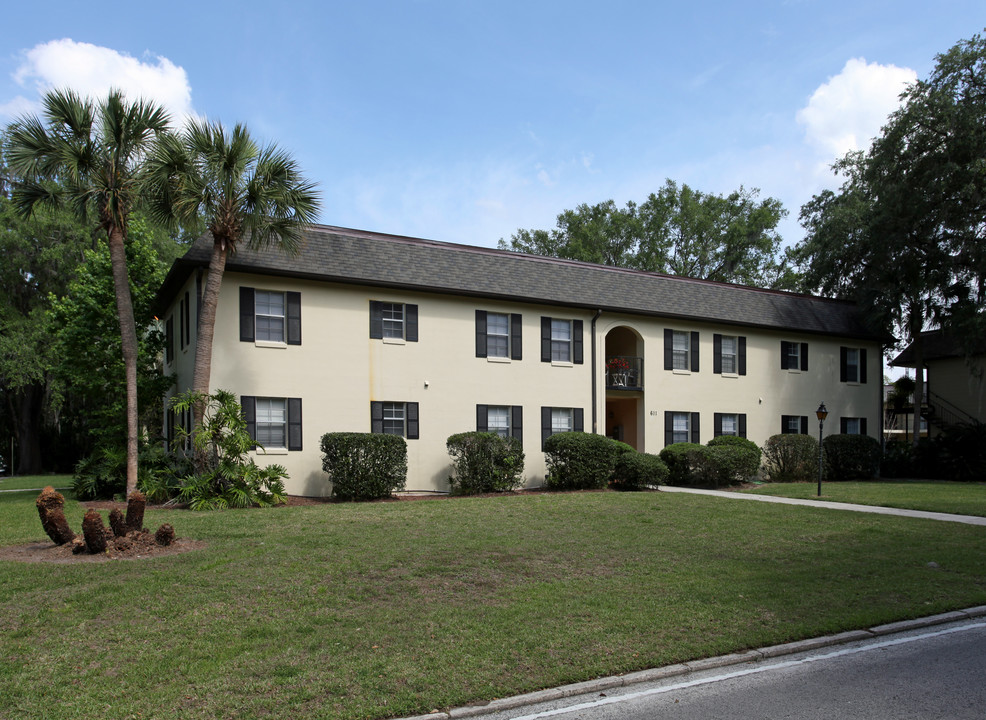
[91, 70]
[846, 112]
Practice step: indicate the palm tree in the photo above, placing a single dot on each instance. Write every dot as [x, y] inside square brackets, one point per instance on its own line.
[239, 191]
[89, 156]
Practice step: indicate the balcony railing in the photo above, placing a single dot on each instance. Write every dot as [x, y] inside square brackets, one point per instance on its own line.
[624, 372]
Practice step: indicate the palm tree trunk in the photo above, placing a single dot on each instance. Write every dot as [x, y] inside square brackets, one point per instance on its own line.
[128, 338]
[205, 331]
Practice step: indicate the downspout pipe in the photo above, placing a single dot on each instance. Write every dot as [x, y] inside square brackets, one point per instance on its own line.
[595, 391]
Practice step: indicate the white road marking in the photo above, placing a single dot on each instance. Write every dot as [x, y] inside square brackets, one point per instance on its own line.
[749, 671]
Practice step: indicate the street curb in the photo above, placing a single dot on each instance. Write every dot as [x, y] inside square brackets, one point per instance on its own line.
[749, 656]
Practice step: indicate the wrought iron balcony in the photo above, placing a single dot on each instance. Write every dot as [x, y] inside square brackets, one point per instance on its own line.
[624, 372]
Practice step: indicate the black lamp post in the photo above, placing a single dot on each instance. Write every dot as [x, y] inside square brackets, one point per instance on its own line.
[821, 414]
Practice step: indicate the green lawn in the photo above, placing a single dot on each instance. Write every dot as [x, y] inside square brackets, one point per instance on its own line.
[388, 609]
[35, 482]
[948, 497]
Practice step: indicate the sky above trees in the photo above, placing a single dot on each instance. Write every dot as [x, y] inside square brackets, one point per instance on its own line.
[464, 121]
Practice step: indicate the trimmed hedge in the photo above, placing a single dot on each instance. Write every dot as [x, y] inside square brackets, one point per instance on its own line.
[685, 462]
[581, 461]
[790, 458]
[851, 457]
[725, 460]
[636, 471]
[484, 462]
[364, 466]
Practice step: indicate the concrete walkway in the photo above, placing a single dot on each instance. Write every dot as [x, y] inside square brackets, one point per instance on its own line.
[829, 505]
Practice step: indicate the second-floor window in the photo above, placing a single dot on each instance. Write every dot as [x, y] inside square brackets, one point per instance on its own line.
[270, 315]
[794, 356]
[852, 365]
[729, 354]
[393, 321]
[680, 350]
[498, 335]
[561, 340]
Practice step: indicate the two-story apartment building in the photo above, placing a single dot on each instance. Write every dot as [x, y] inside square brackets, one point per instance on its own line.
[369, 332]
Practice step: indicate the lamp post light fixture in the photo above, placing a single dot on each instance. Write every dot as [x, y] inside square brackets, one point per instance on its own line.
[821, 414]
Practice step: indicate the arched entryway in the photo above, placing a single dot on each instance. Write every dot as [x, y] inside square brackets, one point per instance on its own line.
[624, 372]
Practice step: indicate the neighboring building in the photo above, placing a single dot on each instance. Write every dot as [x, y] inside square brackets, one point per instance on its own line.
[369, 332]
[955, 390]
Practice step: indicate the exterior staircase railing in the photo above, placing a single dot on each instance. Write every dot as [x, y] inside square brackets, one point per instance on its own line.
[944, 414]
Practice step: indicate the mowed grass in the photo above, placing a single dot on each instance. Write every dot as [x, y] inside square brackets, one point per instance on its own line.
[391, 609]
[22, 482]
[961, 498]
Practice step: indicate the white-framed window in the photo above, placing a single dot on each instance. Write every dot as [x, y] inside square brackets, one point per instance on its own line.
[561, 340]
[393, 320]
[680, 350]
[728, 354]
[498, 420]
[269, 310]
[794, 424]
[394, 419]
[793, 355]
[497, 335]
[680, 427]
[561, 420]
[730, 424]
[852, 426]
[272, 422]
[852, 365]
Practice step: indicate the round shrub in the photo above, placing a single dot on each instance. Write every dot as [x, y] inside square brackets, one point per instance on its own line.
[851, 457]
[581, 461]
[364, 466]
[636, 471]
[484, 462]
[684, 462]
[790, 458]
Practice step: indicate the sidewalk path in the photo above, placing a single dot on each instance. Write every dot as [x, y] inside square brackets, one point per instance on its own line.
[875, 509]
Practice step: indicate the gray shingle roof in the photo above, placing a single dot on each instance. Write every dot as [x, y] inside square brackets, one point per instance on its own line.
[367, 258]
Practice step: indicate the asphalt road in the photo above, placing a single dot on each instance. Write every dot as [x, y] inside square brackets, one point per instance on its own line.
[933, 672]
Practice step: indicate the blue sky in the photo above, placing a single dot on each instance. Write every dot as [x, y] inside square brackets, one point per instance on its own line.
[464, 121]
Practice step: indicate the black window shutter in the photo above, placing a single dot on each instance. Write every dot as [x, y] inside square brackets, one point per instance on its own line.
[862, 426]
[545, 425]
[249, 405]
[169, 339]
[198, 301]
[517, 422]
[188, 318]
[247, 315]
[578, 420]
[693, 347]
[804, 356]
[695, 429]
[413, 431]
[480, 333]
[411, 323]
[376, 417]
[843, 364]
[717, 424]
[482, 418]
[516, 337]
[804, 424]
[668, 428]
[843, 425]
[741, 360]
[294, 423]
[784, 429]
[742, 425]
[668, 349]
[862, 368]
[294, 317]
[717, 354]
[577, 342]
[181, 324]
[545, 339]
[784, 353]
[376, 320]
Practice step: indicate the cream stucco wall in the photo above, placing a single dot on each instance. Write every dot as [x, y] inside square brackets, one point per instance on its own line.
[338, 370]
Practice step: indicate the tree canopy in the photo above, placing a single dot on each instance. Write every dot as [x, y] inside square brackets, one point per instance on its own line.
[904, 235]
[678, 231]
